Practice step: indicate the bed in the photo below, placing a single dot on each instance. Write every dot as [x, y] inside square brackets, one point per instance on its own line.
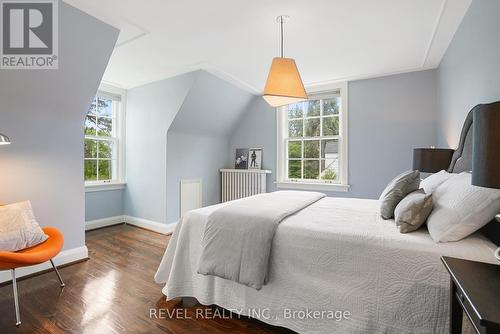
[335, 267]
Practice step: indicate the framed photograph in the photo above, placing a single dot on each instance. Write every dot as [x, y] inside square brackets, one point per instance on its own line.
[241, 160]
[254, 158]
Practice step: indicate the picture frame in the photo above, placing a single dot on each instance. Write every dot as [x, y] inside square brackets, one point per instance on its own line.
[241, 158]
[255, 158]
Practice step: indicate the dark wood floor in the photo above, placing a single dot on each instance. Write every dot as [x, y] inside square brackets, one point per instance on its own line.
[113, 292]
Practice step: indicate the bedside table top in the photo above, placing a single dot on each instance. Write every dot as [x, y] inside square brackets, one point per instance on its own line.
[480, 283]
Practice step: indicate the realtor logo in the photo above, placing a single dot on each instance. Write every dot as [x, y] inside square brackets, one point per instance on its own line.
[29, 34]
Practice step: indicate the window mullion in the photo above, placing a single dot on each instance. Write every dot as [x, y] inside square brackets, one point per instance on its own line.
[321, 118]
[320, 146]
[302, 161]
[97, 160]
[303, 143]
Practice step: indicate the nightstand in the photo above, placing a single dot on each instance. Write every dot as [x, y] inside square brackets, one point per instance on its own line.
[475, 290]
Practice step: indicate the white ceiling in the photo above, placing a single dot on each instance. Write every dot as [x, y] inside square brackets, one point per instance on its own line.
[331, 40]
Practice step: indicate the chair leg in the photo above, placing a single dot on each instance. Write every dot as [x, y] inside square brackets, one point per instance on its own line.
[57, 273]
[16, 299]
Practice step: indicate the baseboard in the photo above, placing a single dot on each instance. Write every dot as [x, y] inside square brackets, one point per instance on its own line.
[98, 223]
[64, 257]
[150, 225]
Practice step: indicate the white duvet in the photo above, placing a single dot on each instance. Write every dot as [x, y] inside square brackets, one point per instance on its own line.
[337, 255]
[238, 237]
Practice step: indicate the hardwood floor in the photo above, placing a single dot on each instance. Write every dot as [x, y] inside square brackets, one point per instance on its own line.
[113, 292]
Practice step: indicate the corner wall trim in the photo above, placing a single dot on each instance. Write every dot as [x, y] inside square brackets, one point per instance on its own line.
[65, 257]
[150, 225]
[98, 223]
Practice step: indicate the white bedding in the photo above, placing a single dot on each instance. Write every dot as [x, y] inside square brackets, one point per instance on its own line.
[335, 255]
[238, 237]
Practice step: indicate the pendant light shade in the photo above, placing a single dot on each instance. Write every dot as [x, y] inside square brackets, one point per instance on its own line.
[283, 85]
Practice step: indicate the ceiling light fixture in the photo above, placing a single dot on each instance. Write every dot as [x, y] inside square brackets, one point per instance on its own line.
[283, 85]
[4, 140]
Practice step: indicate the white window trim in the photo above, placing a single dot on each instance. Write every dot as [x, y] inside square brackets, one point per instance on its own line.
[102, 186]
[120, 182]
[282, 129]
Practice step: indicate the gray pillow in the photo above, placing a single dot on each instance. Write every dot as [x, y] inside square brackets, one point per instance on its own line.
[396, 190]
[413, 210]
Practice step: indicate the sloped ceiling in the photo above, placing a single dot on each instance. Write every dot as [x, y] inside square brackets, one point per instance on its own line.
[331, 40]
[212, 107]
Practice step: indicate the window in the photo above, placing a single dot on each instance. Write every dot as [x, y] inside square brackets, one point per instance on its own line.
[312, 142]
[103, 140]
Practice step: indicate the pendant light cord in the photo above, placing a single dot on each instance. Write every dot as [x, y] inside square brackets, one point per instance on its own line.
[282, 35]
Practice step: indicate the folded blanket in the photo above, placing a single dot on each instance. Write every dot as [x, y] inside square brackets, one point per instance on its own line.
[238, 237]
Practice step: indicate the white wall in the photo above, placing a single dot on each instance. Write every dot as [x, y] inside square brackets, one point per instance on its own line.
[43, 112]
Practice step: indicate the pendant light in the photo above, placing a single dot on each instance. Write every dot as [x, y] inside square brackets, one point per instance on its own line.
[283, 85]
[4, 140]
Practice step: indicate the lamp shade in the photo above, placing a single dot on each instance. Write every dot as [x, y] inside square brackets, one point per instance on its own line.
[284, 85]
[4, 140]
[486, 146]
[432, 160]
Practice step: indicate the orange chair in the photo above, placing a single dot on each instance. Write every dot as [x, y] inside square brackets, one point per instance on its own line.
[41, 253]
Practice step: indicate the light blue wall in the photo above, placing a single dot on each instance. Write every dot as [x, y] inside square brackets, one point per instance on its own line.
[257, 128]
[388, 117]
[198, 138]
[103, 204]
[469, 73]
[150, 111]
[43, 112]
[212, 107]
[194, 156]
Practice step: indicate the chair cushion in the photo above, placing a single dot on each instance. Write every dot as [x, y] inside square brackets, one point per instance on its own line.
[34, 255]
[19, 228]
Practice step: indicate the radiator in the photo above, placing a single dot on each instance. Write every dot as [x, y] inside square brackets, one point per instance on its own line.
[239, 183]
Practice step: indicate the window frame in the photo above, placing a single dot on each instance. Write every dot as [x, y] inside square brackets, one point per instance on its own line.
[118, 139]
[316, 92]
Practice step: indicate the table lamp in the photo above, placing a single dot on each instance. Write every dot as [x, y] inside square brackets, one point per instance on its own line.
[486, 148]
[4, 140]
[432, 160]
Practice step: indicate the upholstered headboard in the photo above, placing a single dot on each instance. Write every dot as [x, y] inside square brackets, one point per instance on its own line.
[462, 161]
[462, 158]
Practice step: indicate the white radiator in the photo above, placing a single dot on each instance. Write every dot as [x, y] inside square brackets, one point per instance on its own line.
[239, 183]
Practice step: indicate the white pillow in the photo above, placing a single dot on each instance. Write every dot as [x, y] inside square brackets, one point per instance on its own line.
[460, 208]
[430, 183]
[18, 227]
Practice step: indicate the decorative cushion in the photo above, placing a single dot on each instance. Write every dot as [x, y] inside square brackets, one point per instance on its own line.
[430, 183]
[18, 227]
[460, 208]
[396, 190]
[412, 211]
